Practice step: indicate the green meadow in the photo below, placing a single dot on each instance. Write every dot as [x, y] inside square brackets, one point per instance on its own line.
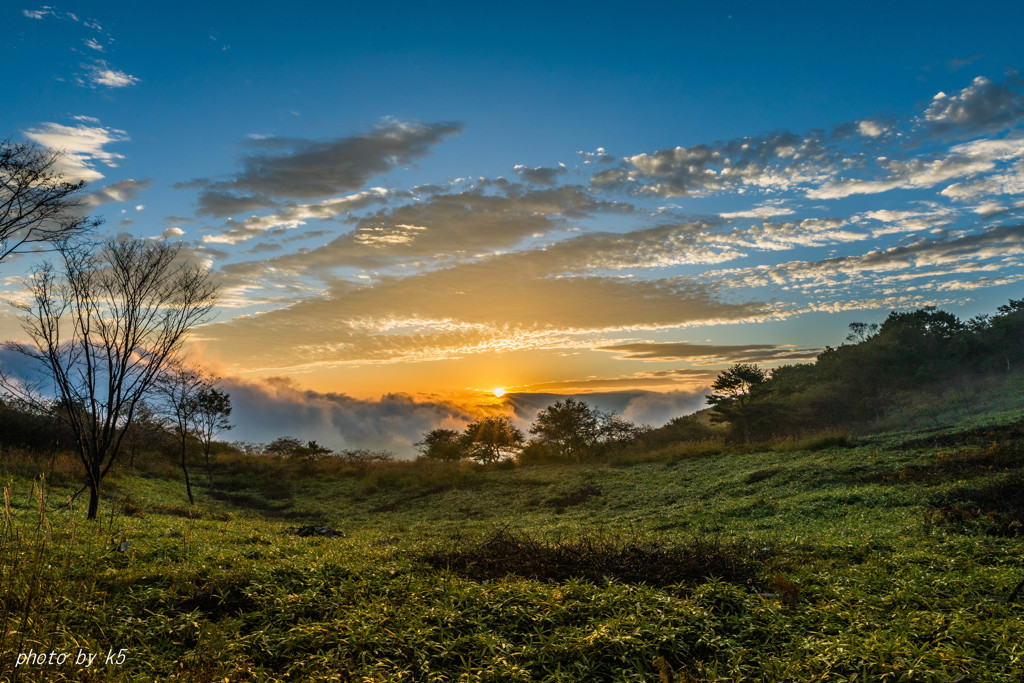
[891, 557]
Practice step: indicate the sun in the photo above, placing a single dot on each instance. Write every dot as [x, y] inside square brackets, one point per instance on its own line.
[499, 392]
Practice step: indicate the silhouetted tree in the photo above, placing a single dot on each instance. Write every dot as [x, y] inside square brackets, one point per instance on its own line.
[616, 430]
[213, 408]
[36, 204]
[732, 395]
[492, 438]
[570, 427]
[441, 444]
[103, 327]
[180, 387]
[145, 429]
[290, 447]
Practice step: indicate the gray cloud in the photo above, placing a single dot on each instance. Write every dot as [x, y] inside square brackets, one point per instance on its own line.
[776, 161]
[293, 216]
[981, 107]
[121, 191]
[441, 228]
[302, 169]
[218, 203]
[656, 409]
[639, 406]
[266, 410]
[540, 175]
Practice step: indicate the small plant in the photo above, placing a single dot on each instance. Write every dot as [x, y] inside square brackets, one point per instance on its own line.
[597, 558]
[789, 592]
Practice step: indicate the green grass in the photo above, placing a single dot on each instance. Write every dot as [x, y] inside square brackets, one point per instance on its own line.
[852, 569]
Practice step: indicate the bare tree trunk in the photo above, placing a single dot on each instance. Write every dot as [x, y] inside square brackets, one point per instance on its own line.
[184, 468]
[209, 474]
[94, 498]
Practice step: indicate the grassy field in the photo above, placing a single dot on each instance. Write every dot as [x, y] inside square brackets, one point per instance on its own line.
[889, 558]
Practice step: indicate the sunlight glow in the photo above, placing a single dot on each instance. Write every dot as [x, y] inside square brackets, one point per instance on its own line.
[499, 392]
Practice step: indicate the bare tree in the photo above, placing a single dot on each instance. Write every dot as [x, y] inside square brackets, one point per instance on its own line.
[36, 203]
[102, 328]
[196, 409]
[180, 387]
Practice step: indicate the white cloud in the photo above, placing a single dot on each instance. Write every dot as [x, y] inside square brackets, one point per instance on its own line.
[970, 158]
[870, 128]
[1010, 182]
[82, 147]
[43, 11]
[100, 73]
[295, 216]
[172, 232]
[760, 212]
[277, 407]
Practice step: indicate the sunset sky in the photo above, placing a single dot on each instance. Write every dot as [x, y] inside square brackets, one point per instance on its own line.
[412, 205]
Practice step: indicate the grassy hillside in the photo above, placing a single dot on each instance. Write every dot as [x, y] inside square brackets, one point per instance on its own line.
[893, 558]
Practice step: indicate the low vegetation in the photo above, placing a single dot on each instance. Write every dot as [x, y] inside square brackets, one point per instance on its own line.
[756, 564]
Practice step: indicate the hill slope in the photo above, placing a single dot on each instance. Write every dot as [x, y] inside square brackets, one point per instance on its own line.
[894, 558]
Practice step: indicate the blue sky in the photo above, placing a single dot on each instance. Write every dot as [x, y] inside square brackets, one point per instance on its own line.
[425, 202]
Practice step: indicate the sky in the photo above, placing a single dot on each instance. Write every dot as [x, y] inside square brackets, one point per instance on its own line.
[409, 207]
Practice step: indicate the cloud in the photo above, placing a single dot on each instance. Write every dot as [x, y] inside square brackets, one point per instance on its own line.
[263, 411]
[774, 162]
[828, 165]
[81, 145]
[638, 406]
[981, 107]
[43, 11]
[709, 353]
[656, 409]
[172, 232]
[540, 175]
[768, 211]
[300, 169]
[121, 191]
[771, 236]
[1011, 182]
[498, 304]
[444, 227]
[959, 252]
[966, 159]
[295, 215]
[101, 73]
[870, 128]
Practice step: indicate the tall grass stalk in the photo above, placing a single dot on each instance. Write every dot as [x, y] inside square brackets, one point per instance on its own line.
[48, 574]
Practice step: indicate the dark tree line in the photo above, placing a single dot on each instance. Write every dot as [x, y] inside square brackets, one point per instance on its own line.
[861, 380]
[566, 431]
